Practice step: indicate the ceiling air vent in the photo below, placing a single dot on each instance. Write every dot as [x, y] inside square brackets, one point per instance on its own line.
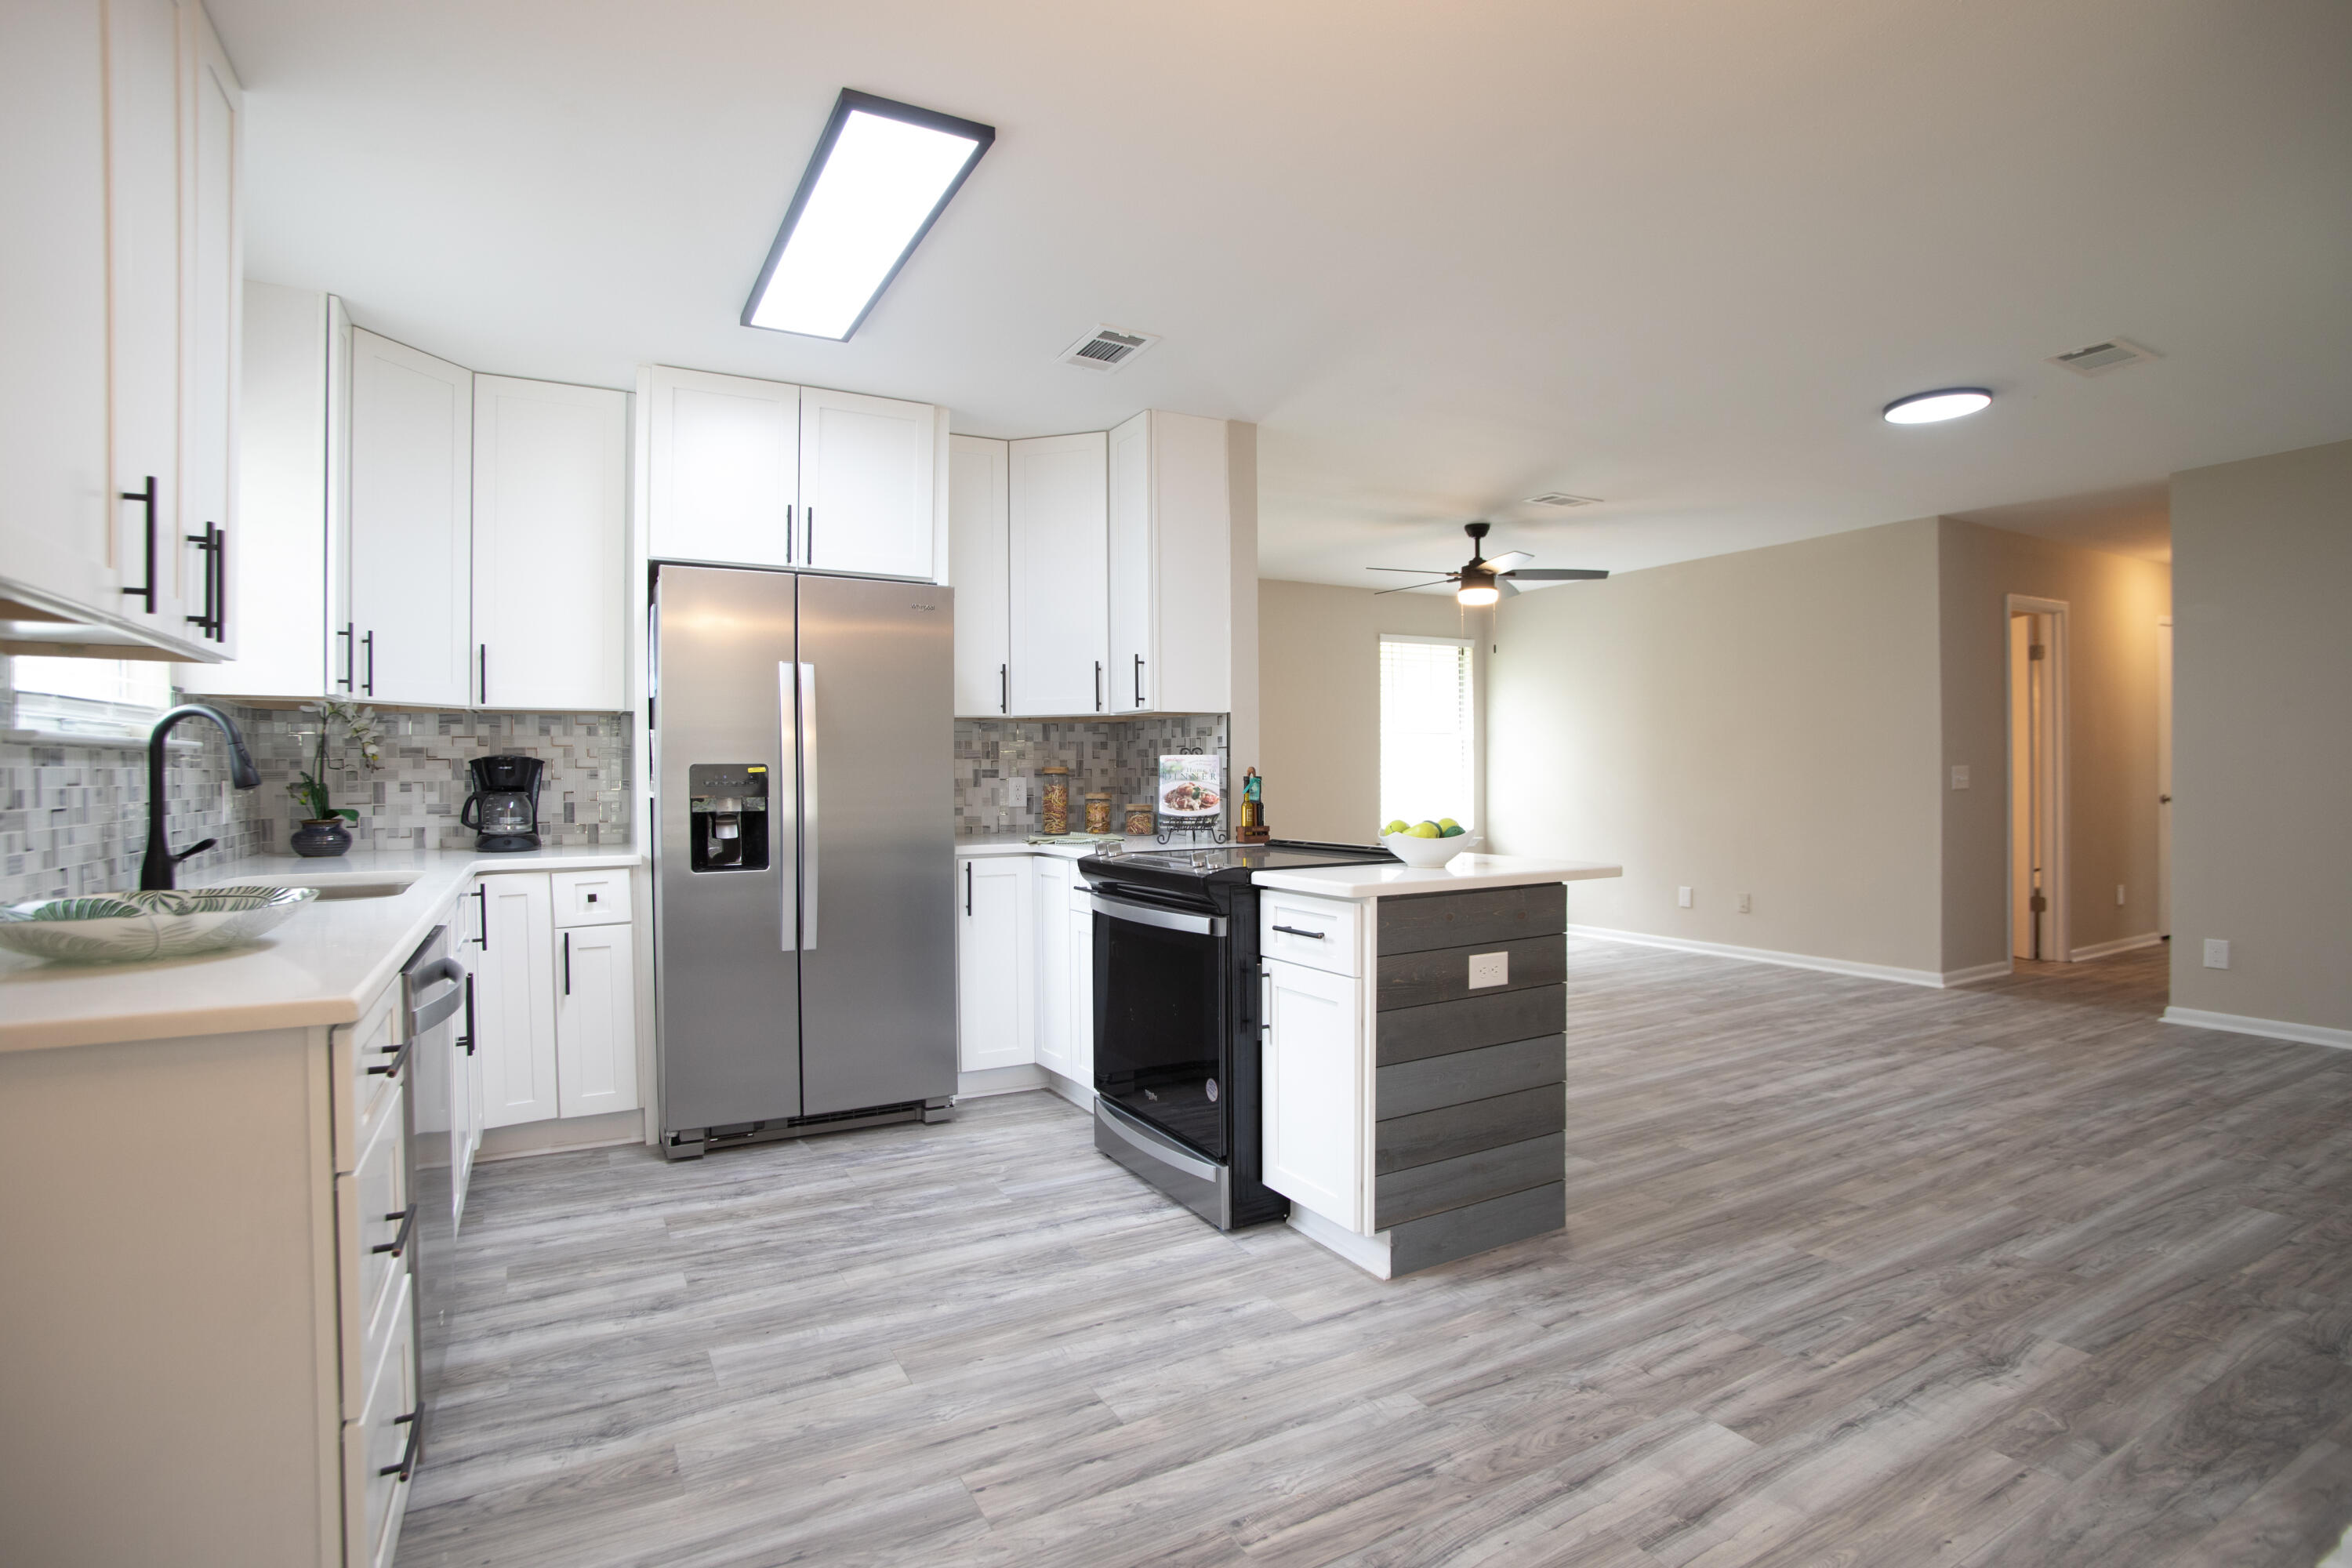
[1560, 497]
[1107, 348]
[2099, 358]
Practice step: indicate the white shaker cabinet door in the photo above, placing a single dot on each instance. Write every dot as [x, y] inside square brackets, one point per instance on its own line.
[724, 461]
[1060, 634]
[57, 505]
[1170, 575]
[514, 998]
[1050, 879]
[595, 1020]
[411, 497]
[210, 537]
[1314, 1077]
[869, 496]
[980, 562]
[1081, 942]
[994, 931]
[550, 544]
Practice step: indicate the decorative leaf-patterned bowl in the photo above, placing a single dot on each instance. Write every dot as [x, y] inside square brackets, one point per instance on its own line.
[124, 928]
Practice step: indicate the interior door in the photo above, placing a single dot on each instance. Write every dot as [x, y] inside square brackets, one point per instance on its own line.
[550, 544]
[1061, 626]
[412, 500]
[877, 939]
[867, 490]
[2164, 777]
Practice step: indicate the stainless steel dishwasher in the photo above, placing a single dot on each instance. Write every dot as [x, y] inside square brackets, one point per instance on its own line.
[436, 1020]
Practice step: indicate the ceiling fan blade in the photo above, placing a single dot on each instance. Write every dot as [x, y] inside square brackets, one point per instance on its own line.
[1416, 570]
[1409, 587]
[1506, 588]
[1510, 561]
[1558, 574]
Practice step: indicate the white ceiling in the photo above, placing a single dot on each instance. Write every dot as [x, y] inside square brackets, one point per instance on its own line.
[1671, 255]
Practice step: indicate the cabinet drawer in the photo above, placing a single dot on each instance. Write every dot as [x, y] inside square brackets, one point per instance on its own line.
[362, 1054]
[371, 1204]
[1320, 933]
[377, 1449]
[592, 898]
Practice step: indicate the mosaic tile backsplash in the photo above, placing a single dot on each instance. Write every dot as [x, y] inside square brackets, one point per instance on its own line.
[1121, 756]
[73, 818]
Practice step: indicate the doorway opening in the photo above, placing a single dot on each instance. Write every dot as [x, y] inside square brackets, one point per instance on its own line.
[2164, 778]
[2037, 779]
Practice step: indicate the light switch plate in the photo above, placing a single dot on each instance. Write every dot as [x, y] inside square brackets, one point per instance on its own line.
[1683, 897]
[1959, 775]
[1747, 904]
[1489, 969]
[2217, 952]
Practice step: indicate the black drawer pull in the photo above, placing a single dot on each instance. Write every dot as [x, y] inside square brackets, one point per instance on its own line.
[407, 1465]
[1294, 931]
[398, 1244]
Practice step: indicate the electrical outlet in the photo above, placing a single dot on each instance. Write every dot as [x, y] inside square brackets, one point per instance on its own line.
[1747, 904]
[1489, 969]
[1959, 775]
[1016, 794]
[1683, 897]
[2217, 952]
[2119, 895]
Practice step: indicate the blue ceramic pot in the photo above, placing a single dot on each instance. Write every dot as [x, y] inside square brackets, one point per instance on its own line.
[321, 837]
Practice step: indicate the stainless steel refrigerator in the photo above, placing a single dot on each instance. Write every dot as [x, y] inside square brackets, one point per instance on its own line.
[803, 868]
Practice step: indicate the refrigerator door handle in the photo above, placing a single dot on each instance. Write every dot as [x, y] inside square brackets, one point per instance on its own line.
[810, 831]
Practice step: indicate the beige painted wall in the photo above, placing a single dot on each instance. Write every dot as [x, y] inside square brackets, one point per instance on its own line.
[1762, 722]
[1319, 700]
[2261, 559]
[2113, 603]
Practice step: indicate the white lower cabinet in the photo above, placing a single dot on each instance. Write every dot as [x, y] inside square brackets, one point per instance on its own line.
[995, 946]
[1050, 881]
[1315, 1091]
[555, 995]
[1080, 938]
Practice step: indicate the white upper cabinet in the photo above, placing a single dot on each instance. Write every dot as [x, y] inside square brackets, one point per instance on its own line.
[723, 455]
[1169, 567]
[550, 541]
[412, 435]
[867, 492]
[979, 557]
[215, 294]
[1060, 645]
[57, 495]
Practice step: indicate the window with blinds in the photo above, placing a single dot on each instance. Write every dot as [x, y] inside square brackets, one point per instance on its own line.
[86, 696]
[1429, 731]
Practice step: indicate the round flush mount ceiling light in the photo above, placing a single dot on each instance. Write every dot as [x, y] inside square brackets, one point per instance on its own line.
[1932, 407]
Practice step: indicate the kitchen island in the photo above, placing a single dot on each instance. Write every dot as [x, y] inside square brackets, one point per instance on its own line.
[1415, 1056]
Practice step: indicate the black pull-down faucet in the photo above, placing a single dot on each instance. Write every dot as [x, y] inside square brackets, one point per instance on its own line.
[156, 869]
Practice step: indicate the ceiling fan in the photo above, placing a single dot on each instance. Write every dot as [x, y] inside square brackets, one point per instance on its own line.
[1482, 581]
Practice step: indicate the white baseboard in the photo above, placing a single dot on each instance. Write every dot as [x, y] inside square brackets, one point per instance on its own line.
[560, 1136]
[2121, 944]
[1787, 960]
[1000, 1080]
[1071, 1090]
[2001, 971]
[1369, 1252]
[2268, 1029]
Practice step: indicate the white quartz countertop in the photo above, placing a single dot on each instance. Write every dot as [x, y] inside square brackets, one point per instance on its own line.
[1458, 875]
[1018, 843]
[322, 966]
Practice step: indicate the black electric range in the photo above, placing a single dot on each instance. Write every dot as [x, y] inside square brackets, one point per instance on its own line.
[1177, 999]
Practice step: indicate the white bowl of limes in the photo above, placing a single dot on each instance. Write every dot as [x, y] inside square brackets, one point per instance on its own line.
[1427, 845]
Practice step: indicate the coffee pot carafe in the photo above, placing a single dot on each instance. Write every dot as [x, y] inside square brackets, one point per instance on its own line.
[504, 805]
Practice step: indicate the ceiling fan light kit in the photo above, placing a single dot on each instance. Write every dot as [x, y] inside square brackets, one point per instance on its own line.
[1481, 582]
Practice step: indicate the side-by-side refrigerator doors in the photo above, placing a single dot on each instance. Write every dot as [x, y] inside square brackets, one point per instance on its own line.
[877, 923]
[726, 861]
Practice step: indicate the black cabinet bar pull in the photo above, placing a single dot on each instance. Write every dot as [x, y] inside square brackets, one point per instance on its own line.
[399, 1060]
[482, 907]
[399, 1242]
[220, 594]
[808, 537]
[146, 498]
[567, 963]
[1097, 686]
[350, 633]
[368, 686]
[485, 676]
[1138, 680]
[209, 622]
[967, 886]
[1294, 931]
[788, 536]
[408, 1456]
[1004, 689]
[466, 1039]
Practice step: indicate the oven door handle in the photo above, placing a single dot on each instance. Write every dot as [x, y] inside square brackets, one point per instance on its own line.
[1166, 920]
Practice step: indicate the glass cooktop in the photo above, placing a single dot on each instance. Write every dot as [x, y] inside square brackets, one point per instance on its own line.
[1209, 858]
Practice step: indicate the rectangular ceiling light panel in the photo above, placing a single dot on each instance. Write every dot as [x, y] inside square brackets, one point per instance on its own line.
[881, 174]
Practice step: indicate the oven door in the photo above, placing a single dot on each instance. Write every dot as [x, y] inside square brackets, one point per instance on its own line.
[1160, 1006]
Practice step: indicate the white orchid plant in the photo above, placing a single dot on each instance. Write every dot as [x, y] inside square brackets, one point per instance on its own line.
[357, 736]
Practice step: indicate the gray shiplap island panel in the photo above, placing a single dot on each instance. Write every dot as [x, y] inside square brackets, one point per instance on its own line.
[1469, 1096]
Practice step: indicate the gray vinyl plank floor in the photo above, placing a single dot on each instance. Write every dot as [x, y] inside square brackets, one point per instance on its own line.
[1854, 1273]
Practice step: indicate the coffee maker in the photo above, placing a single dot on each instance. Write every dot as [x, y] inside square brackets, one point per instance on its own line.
[504, 806]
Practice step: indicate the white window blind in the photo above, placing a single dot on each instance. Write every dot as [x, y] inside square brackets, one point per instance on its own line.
[1429, 731]
[88, 696]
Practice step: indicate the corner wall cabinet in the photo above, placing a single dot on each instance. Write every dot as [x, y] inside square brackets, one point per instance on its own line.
[118, 469]
[979, 546]
[412, 482]
[1059, 547]
[743, 472]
